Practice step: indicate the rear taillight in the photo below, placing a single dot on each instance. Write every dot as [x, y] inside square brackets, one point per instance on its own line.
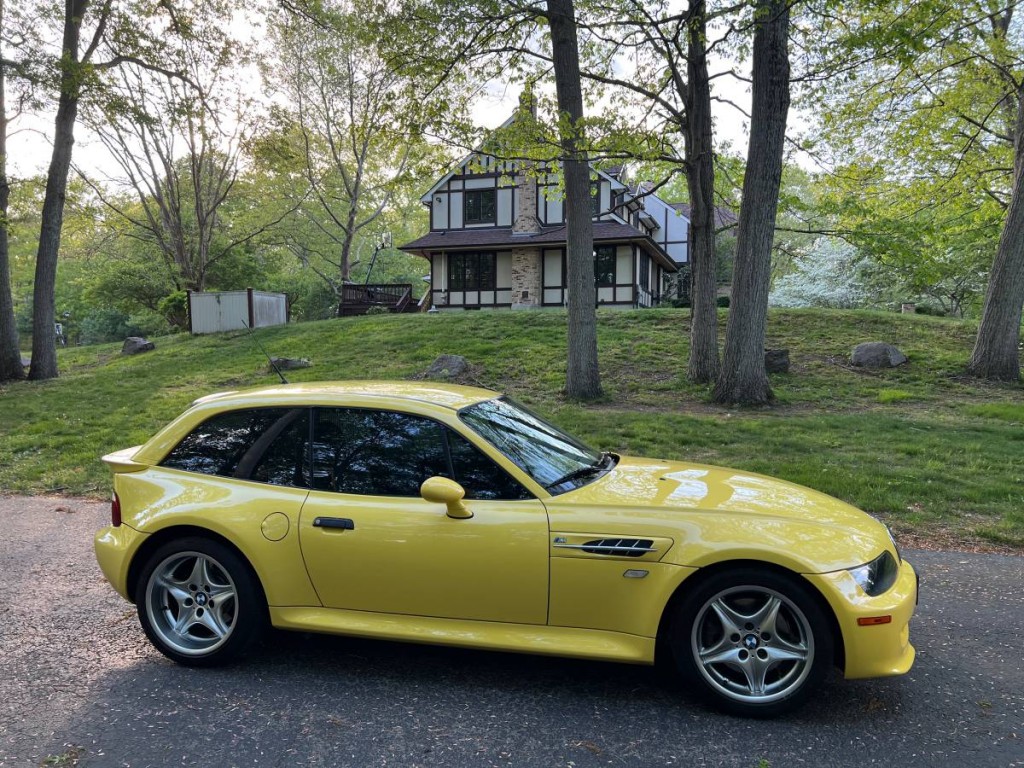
[115, 511]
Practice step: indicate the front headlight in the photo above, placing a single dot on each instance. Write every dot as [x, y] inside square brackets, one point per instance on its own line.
[877, 576]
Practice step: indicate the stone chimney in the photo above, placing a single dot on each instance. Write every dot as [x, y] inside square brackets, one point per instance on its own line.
[525, 222]
[526, 260]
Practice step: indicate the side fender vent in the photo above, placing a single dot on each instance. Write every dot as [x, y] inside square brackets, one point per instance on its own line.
[619, 547]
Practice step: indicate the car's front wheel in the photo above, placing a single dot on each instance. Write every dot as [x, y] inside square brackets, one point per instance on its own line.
[198, 602]
[753, 642]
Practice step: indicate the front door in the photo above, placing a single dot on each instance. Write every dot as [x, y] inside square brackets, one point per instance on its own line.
[371, 543]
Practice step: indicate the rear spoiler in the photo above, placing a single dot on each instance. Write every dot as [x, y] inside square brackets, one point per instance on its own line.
[121, 461]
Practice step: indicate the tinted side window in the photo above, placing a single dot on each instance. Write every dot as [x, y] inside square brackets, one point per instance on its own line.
[479, 475]
[376, 453]
[286, 460]
[217, 445]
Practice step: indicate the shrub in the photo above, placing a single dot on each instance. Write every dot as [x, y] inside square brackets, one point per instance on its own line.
[831, 274]
[106, 324]
[377, 309]
[723, 302]
[174, 308]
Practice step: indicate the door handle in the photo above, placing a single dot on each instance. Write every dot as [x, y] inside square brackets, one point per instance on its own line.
[340, 523]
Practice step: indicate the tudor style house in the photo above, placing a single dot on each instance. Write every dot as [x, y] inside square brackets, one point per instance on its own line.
[498, 238]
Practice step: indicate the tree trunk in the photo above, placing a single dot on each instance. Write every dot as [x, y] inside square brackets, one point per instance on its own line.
[700, 180]
[583, 380]
[44, 347]
[996, 354]
[10, 351]
[743, 378]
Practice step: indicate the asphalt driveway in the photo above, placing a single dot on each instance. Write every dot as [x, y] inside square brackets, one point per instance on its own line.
[78, 682]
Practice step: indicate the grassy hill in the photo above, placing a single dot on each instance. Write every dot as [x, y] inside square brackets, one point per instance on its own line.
[936, 454]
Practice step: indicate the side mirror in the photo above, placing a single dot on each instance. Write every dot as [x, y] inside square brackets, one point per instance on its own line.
[441, 490]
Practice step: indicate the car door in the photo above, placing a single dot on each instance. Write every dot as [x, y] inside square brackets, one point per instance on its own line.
[371, 543]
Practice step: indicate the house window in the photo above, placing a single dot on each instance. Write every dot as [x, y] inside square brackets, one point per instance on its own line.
[472, 271]
[595, 198]
[604, 267]
[479, 206]
[645, 271]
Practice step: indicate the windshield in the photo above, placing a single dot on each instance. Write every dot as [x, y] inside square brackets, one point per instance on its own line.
[557, 461]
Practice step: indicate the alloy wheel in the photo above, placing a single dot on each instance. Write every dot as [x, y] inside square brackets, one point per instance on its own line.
[752, 644]
[192, 603]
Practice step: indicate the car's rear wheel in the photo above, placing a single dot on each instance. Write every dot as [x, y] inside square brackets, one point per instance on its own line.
[198, 602]
[753, 642]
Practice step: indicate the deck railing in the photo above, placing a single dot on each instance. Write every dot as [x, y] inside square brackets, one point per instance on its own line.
[357, 299]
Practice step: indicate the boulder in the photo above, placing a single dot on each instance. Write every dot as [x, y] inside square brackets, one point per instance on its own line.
[877, 354]
[135, 345]
[776, 360]
[447, 367]
[26, 361]
[289, 363]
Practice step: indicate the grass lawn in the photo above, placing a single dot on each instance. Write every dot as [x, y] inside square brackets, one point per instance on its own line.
[937, 455]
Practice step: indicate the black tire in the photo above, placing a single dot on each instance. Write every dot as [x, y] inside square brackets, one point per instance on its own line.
[752, 642]
[199, 603]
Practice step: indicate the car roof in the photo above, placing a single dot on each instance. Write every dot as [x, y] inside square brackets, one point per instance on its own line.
[452, 396]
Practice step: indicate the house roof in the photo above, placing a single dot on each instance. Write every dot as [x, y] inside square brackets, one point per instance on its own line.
[495, 237]
[724, 218]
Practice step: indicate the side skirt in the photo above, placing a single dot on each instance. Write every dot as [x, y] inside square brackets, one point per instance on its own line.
[518, 638]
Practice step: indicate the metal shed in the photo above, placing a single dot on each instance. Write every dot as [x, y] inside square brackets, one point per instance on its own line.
[234, 310]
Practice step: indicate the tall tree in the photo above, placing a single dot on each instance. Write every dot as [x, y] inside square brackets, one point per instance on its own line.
[348, 112]
[178, 142]
[668, 85]
[996, 353]
[10, 354]
[128, 33]
[926, 117]
[473, 41]
[743, 378]
[700, 182]
[72, 60]
[583, 381]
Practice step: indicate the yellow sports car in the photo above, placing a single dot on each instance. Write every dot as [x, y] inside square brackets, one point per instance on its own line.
[447, 514]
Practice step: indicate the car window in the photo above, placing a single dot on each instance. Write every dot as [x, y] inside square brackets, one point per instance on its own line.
[479, 475]
[217, 445]
[285, 459]
[556, 460]
[376, 453]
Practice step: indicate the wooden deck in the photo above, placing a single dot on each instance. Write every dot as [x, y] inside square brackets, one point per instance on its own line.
[358, 299]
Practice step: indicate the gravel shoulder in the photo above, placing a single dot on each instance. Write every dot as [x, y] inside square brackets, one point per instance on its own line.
[79, 683]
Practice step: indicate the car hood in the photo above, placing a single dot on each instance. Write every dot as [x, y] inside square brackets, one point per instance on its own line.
[710, 511]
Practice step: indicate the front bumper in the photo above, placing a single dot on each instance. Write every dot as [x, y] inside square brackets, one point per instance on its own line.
[115, 547]
[876, 650]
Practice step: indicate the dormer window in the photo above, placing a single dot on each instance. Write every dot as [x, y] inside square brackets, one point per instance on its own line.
[595, 198]
[480, 206]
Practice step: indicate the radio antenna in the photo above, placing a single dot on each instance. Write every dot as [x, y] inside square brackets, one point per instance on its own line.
[261, 349]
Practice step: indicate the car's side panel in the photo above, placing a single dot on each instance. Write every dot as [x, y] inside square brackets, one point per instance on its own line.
[615, 595]
[261, 520]
[876, 650]
[521, 638]
[406, 556]
[702, 538]
[115, 547]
